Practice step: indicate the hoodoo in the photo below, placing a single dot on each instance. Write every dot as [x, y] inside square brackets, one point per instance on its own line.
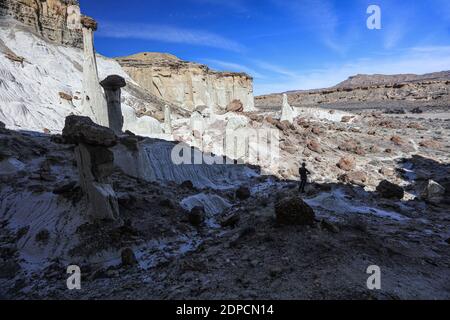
[112, 86]
[287, 111]
[167, 120]
[93, 101]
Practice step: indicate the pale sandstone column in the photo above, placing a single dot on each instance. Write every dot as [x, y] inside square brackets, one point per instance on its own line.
[287, 111]
[93, 101]
[167, 120]
[112, 86]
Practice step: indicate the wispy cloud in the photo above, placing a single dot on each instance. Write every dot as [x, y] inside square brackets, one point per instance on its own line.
[280, 70]
[170, 34]
[231, 66]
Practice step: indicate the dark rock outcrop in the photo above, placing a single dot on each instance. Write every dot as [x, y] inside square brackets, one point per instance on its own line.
[292, 210]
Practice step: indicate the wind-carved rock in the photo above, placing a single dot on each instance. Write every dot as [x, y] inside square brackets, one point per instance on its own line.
[112, 86]
[287, 111]
[167, 120]
[93, 102]
[95, 162]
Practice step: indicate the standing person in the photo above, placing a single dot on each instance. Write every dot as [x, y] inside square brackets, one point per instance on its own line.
[303, 177]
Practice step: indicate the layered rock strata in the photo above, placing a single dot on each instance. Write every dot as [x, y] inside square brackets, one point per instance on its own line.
[54, 20]
[188, 84]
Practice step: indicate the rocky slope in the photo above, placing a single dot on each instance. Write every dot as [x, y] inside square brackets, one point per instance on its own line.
[361, 80]
[48, 18]
[188, 84]
[364, 91]
[217, 232]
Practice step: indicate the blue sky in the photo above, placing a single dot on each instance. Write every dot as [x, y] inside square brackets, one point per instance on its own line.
[284, 44]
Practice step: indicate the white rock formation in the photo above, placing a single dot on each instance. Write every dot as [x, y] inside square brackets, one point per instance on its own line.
[52, 69]
[188, 84]
[93, 100]
[287, 112]
[197, 123]
[167, 120]
[144, 126]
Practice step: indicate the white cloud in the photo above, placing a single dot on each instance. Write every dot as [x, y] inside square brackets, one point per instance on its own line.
[168, 34]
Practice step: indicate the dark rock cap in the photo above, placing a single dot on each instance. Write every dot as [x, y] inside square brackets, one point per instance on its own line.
[89, 23]
[113, 82]
[83, 130]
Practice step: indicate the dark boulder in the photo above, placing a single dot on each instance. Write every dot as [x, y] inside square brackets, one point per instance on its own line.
[389, 190]
[196, 216]
[128, 257]
[292, 210]
[79, 129]
[243, 193]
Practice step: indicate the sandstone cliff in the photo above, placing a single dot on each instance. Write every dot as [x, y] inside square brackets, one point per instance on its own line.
[48, 18]
[403, 90]
[188, 84]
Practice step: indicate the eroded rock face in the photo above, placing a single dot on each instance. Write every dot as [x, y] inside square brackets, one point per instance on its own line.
[49, 18]
[188, 84]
